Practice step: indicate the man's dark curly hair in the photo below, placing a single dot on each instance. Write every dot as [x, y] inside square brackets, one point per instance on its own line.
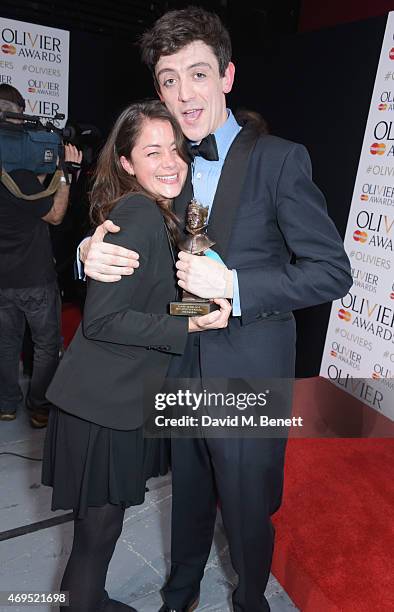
[178, 28]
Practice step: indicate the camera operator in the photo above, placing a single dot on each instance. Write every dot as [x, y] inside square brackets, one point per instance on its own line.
[28, 285]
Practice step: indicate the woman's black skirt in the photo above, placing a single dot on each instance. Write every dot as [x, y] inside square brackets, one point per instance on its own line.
[89, 465]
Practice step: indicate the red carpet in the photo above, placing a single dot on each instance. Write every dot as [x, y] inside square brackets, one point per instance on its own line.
[335, 531]
[71, 316]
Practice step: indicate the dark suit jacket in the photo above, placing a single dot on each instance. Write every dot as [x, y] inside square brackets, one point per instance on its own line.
[270, 223]
[125, 339]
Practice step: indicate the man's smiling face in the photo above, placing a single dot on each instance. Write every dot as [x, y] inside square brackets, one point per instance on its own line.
[190, 85]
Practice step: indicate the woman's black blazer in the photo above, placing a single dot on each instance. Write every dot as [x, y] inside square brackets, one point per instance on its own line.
[124, 343]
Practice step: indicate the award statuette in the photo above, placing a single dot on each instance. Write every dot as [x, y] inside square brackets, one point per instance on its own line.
[196, 243]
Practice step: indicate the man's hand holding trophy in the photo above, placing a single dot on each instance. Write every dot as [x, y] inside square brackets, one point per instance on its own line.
[197, 242]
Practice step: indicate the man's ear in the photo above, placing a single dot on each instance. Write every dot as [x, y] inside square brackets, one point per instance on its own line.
[228, 78]
[127, 165]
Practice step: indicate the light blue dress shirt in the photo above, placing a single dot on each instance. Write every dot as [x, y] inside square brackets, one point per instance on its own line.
[205, 179]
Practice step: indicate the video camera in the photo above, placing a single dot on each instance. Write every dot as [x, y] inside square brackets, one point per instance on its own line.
[29, 144]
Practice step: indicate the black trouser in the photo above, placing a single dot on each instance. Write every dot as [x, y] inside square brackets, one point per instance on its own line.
[246, 475]
[40, 307]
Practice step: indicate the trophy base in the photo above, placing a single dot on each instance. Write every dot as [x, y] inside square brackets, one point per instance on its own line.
[192, 309]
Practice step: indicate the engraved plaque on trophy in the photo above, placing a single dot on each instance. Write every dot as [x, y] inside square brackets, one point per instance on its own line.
[196, 243]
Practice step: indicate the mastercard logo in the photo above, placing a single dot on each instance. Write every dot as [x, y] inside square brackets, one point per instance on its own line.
[375, 376]
[382, 107]
[360, 236]
[10, 49]
[392, 296]
[391, 53]
[378, 148]
[344, 315]
[334, 353]
[364, 197]
[31, 90]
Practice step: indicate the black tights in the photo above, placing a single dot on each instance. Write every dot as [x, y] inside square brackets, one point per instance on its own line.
[95, 537]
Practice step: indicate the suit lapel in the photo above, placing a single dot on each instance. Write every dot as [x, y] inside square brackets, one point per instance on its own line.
[227, 197]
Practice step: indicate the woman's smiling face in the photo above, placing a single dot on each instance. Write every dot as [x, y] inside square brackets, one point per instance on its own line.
[155, 161]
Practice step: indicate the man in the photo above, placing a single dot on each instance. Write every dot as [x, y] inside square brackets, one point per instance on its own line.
[282, 252]
[28, 285]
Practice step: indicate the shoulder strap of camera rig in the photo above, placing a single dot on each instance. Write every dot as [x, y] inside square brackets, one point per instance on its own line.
[10, 184]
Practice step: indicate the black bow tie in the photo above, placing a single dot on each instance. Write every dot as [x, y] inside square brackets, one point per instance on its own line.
[206, 149]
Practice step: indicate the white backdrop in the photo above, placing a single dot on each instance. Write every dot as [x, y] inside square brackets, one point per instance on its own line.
[35, 60]
[359, 349]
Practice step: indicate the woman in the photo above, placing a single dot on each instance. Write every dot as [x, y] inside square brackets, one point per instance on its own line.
[96, 458]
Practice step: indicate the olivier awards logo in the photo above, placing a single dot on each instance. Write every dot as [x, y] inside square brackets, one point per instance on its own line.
[384, 375]
[363, 279]
[46, 88]
[41, 108]
[42, 47]
[356, 386]
[346, 355]
[383, 130]
[377, 194]
[380, 228]
[373, 317]
[386, 101]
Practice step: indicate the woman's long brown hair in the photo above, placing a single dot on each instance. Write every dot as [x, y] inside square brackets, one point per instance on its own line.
[112, 182]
